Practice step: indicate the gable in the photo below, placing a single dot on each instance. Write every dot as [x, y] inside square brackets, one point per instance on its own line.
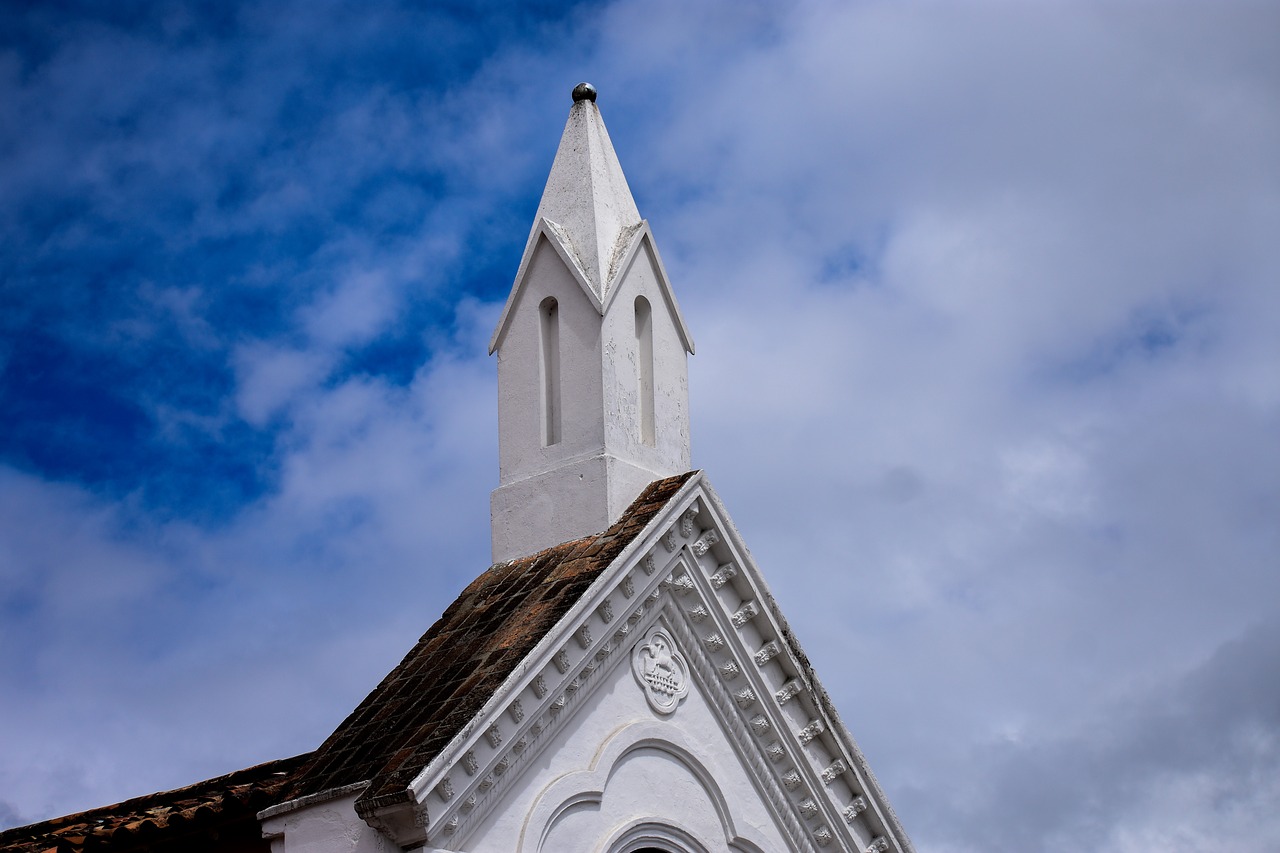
[640, 247]
[631, 242]
[545, 233]
[689, 573]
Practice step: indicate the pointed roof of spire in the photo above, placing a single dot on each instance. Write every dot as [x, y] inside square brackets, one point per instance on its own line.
[587, 214]
[587, 196]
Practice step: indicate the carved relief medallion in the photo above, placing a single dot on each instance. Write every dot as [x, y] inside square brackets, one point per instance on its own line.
[660, 670]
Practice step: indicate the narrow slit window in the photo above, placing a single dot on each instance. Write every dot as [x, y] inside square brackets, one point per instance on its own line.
[549, 327]
[644, 368]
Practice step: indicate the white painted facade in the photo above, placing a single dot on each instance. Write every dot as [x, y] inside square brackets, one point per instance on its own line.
[593, 389]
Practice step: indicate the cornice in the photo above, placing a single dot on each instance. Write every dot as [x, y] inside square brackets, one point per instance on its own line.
[311, 800]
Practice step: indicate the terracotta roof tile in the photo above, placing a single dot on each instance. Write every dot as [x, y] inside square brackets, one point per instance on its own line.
[183, 819]
[451, 672]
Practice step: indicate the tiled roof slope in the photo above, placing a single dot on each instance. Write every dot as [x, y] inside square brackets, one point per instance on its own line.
[216, 814]
[462, 659]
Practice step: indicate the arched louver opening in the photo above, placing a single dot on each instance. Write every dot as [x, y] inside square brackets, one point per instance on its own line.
[644, 368]
[549, 328]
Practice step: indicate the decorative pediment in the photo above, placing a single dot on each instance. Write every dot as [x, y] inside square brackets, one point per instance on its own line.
[682, 605]
[630, 246]
[545, 232]
[631, 242]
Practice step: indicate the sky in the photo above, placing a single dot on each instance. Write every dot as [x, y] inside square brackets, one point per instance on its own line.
[986, 299]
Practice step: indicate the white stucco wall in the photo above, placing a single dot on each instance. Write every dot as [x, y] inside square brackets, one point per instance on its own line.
[580, 485]
[521, 453]
[616, 765]
[329, 826]
[671, 451]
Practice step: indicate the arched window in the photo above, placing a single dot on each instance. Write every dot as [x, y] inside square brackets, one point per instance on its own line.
[549, 335]
[644, 368]
[653, 837]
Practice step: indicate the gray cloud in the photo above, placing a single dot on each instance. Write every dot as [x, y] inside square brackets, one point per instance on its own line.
[1186, 765]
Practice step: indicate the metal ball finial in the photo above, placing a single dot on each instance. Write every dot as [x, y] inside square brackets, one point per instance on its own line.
[584, 92]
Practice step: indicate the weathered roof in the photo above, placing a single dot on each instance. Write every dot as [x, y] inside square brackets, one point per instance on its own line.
[222, 810]
[448, 676]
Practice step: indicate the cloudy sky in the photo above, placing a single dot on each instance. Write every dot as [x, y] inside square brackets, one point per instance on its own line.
[987, 305]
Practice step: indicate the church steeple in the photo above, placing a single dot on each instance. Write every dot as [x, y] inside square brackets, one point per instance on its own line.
[593, 397]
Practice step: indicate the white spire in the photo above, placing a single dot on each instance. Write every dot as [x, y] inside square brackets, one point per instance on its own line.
[587, 196]
[593, 391]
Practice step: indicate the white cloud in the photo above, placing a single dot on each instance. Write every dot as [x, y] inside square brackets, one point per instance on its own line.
[270, 377]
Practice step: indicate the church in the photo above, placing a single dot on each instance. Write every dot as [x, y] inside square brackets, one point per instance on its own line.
[620, 680]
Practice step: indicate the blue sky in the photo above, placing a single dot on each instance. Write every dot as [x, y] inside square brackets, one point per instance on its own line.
[988, 374]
